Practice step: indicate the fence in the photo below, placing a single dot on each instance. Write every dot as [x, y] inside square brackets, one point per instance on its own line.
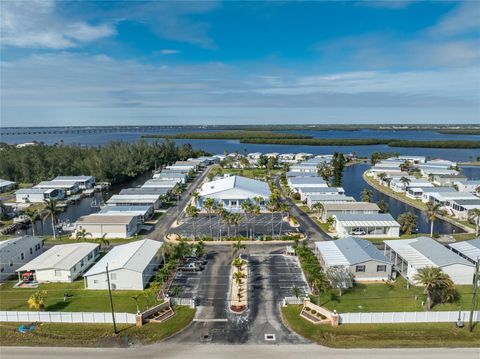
[407, 317]
[66, 317]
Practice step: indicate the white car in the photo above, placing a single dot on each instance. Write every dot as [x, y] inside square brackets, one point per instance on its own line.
[358, 232]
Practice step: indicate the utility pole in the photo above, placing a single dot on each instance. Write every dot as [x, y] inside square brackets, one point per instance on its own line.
[476, 279]
[111, 301]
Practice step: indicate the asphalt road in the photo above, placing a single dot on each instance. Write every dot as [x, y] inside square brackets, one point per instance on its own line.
[168, 218]
[175, 350]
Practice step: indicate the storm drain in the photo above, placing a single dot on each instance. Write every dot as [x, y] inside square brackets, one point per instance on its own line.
[269, 337]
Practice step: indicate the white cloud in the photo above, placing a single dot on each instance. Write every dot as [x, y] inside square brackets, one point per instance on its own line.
[168, 52]
[463, 19]
[36, 24]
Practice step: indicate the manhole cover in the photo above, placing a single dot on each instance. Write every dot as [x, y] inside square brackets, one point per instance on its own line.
[270, 337]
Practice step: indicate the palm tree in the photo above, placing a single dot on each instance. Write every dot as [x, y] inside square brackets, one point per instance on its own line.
[238, 276]
[200, 249]
[433, 210]
[366, 195]
[52, 212]
[383, 206]
[237, 263]
[296, 292]
[388, 180]
[238, 246]
[236, 219]
[33, 215]
[330, 221]
[431, 177]
[318, 206]
[137, 298]
[104, 242]
[82, 234]
[177, 191]
[227, 217]
[272, 207]
[382, 176]
[283, 208]
[192, 212]
[321, 285]
[408, 222]
[255, 210]
[37, 300]
[406, 181]
[219, 211]
[325, 171]
[247, 209]
[209, 206]
[475, 214]
[437, 285]
[195, 196]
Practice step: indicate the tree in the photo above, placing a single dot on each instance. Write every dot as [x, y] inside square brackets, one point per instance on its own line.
[475, 215]
[382, 176]
[366, 195]
[238, 276]
[33, 215]
[192, 212]
[104, 242]
[236, 219]
[255, 210]
[340, 278]
[325, 171]
[238, 246]
[405, 166]
[388, 180]
[433, 210]
[330, 221]
[51, 210]
[383, 206]
[431, 177]
[196, 197]
[406, 181]
[199, 249]
[209, 206]
[37, 300]
[338, 164]
[297, 292]
[82, 234]
[283, 208]
[321, 285]
[262, 161]
[271, 206]
[177, 191]
[408, 222]
[238, 263]
[318, 206]
[247, 209]
[220, 212]
[438, 287]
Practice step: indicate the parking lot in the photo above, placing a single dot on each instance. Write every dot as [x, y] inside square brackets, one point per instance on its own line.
[260, 225]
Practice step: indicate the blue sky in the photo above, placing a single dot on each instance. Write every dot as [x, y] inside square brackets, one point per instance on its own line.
[208, 62]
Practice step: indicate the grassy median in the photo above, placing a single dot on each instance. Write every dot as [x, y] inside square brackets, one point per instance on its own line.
[381, 335]
[95, 335]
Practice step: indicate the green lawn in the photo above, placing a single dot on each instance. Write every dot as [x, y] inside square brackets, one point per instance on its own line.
[81, 300]
[380, 298]
[95, 335]
[381, 335]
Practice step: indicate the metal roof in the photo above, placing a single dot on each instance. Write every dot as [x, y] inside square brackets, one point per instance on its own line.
[145, 190]
[424, 251]
[470, 249]
[349, 251]
[307, 180]
[74, 178]
[13, 246]
[301, 174]
[134, 256]
[366, 219]
[330, 198]
[100, 218]
[134, 198]
[33, 190]
[62, 256]
[160, 183]
[321, 189]
[238, 186]
[138, 210]
[351, 206]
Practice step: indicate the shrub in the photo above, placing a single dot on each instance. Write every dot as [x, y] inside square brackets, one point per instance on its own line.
[314, 312]
[307, 309]
[296, 196]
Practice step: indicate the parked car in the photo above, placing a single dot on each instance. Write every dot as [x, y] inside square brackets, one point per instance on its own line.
[202, 260]
[358, 232]
[190, 267]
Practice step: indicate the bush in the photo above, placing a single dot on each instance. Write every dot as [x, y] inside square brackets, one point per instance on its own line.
[314, 312]
[308, 309]
[296, 196]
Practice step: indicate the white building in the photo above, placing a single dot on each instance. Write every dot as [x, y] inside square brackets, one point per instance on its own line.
[411, 255]
[301, 174]
[304, 167]
[462, 208]
[329, 198]
[171, 176]
[84, 182]
[135, 200]
[160, 183]
[472, 186]
[146, 190]
[312, 191]
[6, 185]
[333, 209]
[37, 195]
[61, 263]
[233, 190]
[447, 179]
[68, 187]
[360, 257]
[314, 182]
[142, 213]
[425, 171]
[131, 266]
[17, 251]
[108, 225]
[366, 225]
[470, 250]
[416, 192]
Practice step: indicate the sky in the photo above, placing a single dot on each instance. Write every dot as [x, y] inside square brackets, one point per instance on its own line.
[72, 63]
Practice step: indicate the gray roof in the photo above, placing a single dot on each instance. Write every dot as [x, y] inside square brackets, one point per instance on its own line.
[306, 180]
[470, 202]
[436, 252]
[172, 174]
[470, 249]
[145, 190]
[32, 190]
[365, 217]
[301, 174]
[330, 197]
[438, 189]
[320, 189]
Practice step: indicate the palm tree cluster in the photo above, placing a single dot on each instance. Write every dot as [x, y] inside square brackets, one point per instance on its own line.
[438, 286]
[408, 222]
[316, 277]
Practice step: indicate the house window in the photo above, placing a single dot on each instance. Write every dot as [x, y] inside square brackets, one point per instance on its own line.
[11, 263]
[360, 268]
[233, 203]
[31, 250]
[90, 255]
[95, 281]
[22, 256]
[58, 273]
[113, 276]
[82, 263]
[381, 268]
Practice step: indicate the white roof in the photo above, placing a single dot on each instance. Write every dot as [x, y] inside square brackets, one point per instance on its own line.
[134, 198]
[470, 249]
[134, 256]
[74, 178]
[160, 183]
[62, 256]
[332, 254]
[4, 183]
[13, 246]
[235, 187]
[366, 220]
[56, 184]
[425, 252]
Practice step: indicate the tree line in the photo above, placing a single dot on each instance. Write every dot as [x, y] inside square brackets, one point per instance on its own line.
[114, 162]
[228, 135]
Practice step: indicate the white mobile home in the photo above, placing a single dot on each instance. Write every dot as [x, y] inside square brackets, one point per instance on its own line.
[360, 257]
[160, 183]
[131, 266]
[366, 225]
[135, 200]
[314, 182]
[411, 255]
[470, 250]
[328, 198]
[110, 226]
[447, 179]
[17, 251]
[232, 191]
[171, 176]
[333, 209]
[61, 263]
[142, 213]
[312, 191]
[472, 186]
[6, 185]
[84, 182]
[68, 187]
[37, 195]
[145, 190]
